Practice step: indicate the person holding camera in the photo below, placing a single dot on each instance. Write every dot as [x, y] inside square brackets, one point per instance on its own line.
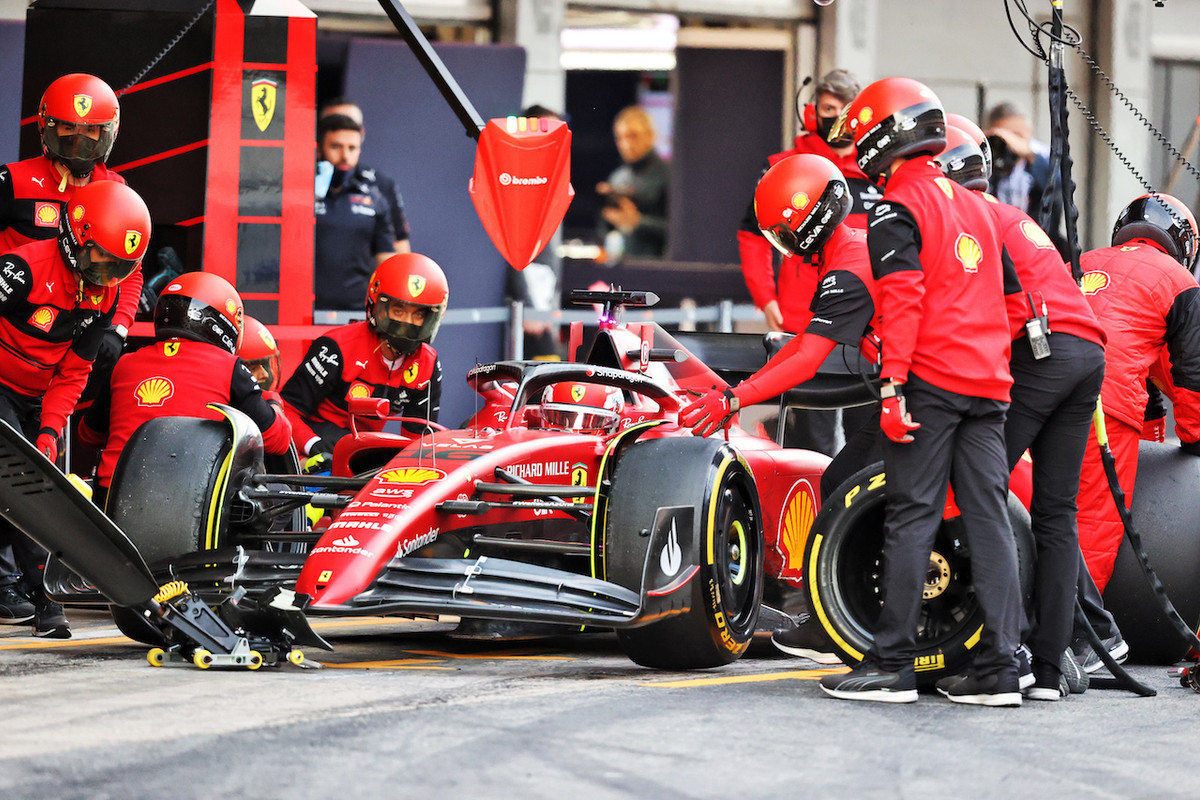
[1021, 169]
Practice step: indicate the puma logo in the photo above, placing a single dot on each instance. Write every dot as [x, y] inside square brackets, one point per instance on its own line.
[50, 286]
[39, 181]
[360, 363]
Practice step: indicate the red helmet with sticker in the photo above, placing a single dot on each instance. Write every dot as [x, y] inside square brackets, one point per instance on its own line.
[582, 407]
[1162, 219]
[799, 202]
[976, 133]
[962, 160]
[105, 232]
[260, 353]
[78, 120]
[891, 118]
[202, 307]
[406, 299]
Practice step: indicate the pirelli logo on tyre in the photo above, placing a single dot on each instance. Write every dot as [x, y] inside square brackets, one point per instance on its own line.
[929, 663]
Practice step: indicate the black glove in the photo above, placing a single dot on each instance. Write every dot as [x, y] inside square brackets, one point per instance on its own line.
[147, 301]
[322, 446]
[1191, 448]
[110, 347]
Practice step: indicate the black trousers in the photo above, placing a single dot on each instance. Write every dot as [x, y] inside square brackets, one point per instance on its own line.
[18, 553]
[1051, 413]
[960, 442]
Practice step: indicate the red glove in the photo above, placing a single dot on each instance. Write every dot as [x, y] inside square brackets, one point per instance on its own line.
[710, 413]
[897, 425]
[1154, 430]
[47, 444]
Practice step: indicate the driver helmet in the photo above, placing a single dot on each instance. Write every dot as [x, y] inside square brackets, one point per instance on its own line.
[105, 232]
[260, 353]
[401, 282]
[962, 161]
[582, 407]
[77, 121]
[202, 307]
[1162, 219]
[799, 202]
[892, 118]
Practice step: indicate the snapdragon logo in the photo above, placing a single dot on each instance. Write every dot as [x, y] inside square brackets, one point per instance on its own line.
[507, 179]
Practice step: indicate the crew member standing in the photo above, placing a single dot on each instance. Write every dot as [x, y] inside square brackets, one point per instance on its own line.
[941, 277]
[1057, 366]
[785, 302]
[57, 297]
[390, 356]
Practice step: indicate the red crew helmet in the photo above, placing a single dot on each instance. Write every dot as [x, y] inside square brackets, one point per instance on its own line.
[78, 120]
[105, 233]
[962, 160]
[1162, 219]
[260, 353]
[403, 281]
[582, 407]
[891, 118]
[202, 307]
[799, 201]
[977, 135]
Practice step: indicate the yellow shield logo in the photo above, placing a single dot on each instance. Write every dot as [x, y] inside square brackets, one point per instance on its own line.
[133, 239]
[83, 104]
[416, 285]
[262, 101]
[410, 374]
[170, 348]
[577, 392]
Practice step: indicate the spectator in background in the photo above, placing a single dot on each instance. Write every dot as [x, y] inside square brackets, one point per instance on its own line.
[634, 216]
[387, 187]
[354, 231]
[785, 303]
[1021, 168]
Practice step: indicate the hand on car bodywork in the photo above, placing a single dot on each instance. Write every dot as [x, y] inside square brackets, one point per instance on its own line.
[710, 413]
[47, 444]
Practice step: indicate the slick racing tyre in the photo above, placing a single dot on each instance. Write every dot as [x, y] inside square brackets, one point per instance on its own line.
[168, 495]
[844, 567]
[1166, 514]
[704, 500]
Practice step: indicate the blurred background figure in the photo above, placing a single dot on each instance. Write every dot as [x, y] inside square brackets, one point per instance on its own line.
[1021, 168]
[634, 216]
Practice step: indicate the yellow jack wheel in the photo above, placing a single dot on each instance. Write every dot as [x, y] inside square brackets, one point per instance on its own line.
[157, 657]
[256, 661]
[202, 658]
[296, 657]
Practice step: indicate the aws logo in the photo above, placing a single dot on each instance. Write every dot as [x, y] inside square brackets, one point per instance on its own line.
[153, 392]
[1094, 282]
[411, 475]
[968, 252]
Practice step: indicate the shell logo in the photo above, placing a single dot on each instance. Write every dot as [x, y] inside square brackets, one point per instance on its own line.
[43, 318]
[800, 200]
[1094, 282]
[865, 115]
[416, 285]
[946, 185]
[45, 215]
[82, 104]
[968, 252]
[1034, 233]
[77, 213]
[411, 475]
[798, 516]
[154, 391]
[359, 390]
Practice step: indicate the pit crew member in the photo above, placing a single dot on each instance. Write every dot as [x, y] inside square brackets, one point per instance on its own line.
[260, 353]
[940, 271]
[57, 297]
[390, 355]
[193, 362]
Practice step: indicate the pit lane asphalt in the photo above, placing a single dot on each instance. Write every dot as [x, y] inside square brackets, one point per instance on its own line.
[401, 710]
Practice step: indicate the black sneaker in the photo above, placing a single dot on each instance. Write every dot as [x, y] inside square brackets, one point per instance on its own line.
[1049, 682]
[1025, 677]
[806, 640]
[1090, 661]
[15, 607]
[869, 682]
[49, 620]
[997, 689]
[1077, 680]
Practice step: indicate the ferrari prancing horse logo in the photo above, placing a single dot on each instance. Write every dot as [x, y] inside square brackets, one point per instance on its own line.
[83, 104]
[262, 101]
[132, 240]
[416, 285]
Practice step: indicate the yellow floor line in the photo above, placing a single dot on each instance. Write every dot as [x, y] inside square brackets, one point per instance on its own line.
[497, 656]
[800, 674]
[400, 663]
[42, 644]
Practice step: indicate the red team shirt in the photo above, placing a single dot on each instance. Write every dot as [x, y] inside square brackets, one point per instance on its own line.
[176, 378]
[51, 325]
[31, 205]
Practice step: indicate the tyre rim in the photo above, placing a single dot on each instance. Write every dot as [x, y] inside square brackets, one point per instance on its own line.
[937, 578]
[739, 553]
